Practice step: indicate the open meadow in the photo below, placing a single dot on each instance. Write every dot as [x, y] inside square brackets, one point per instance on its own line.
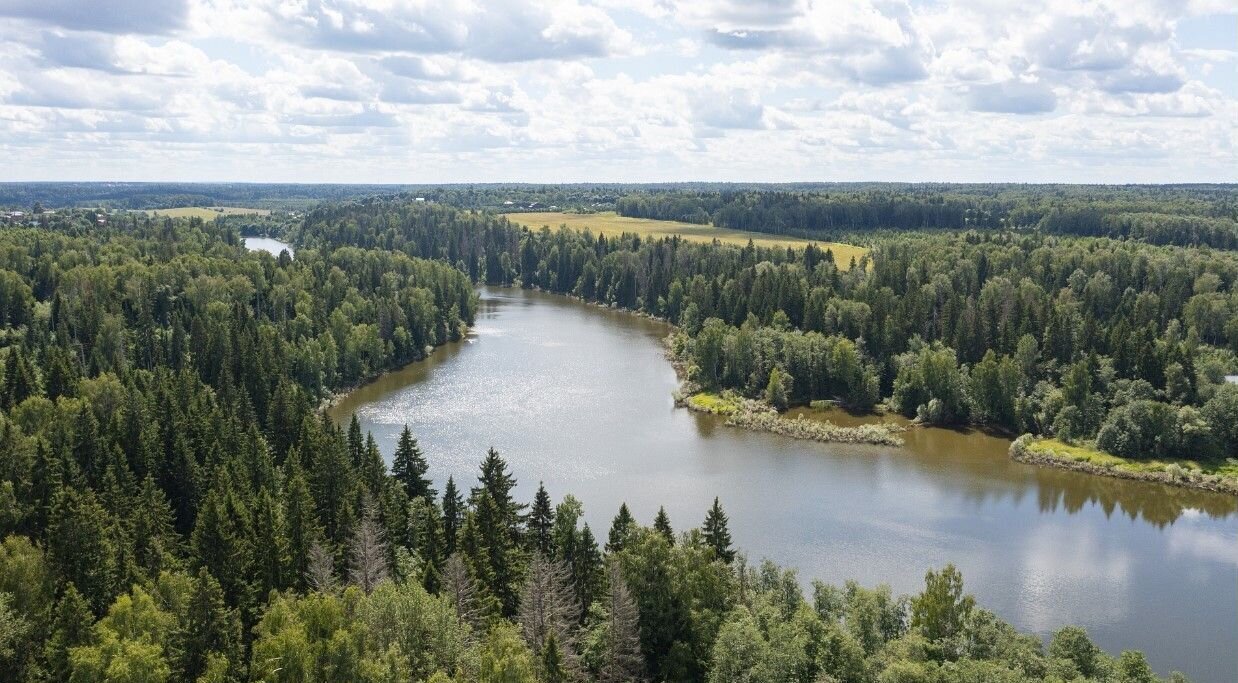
[610, 223]
[207, 213]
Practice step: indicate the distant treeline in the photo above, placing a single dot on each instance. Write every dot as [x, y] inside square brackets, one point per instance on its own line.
[1182, 215]
[1187, 215]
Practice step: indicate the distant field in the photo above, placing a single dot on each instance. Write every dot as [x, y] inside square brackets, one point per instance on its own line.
[208, 212]
[611, 223]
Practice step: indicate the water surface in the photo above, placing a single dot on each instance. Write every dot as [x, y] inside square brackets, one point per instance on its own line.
[270, 245]
[580, 397]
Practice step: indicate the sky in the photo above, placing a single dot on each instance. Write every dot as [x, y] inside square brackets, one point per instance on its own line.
[428, 91]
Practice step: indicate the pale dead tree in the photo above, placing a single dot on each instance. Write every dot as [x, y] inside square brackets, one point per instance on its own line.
[368, 552]
[459, 588]
[320, 569]
[622, 659]
[548, 606]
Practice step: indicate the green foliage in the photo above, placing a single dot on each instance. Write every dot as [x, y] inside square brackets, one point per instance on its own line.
[163, 465]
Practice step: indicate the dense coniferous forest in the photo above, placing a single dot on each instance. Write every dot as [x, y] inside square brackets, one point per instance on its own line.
[174, 505]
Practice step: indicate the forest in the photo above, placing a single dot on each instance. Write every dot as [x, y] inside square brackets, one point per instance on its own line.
[1182, 214]
[174, 505]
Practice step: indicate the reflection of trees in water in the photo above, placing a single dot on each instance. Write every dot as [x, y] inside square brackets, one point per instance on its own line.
[1157, 504]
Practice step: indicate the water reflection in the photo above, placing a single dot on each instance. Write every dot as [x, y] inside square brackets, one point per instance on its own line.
[978, 462]
[580, 397]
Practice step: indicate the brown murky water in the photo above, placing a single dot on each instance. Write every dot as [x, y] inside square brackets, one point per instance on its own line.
[580, 397]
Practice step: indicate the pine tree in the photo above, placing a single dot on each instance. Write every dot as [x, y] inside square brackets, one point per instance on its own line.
[662, 524]
[409, 467]
[541, 523]
[717, 536]
[619, 529]
[453, 513]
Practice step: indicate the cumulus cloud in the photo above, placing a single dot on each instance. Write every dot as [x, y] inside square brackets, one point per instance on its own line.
[1012, 97]
[112, 16]
[616, 89]
[495, 31]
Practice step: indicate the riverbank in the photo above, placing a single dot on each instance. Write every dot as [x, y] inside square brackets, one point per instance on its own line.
[1053, 453]
[756, 416]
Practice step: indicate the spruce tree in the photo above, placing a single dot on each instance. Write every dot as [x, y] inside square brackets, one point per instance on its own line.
[662, 524]
[717, 536]
[587, 567]
[209, 628]
[356, 443]
[409, 467]
[620, 527]
[553, 670]
[541, 523]
[453, 515]
[299, 519]
[271, 559]
[71, 627]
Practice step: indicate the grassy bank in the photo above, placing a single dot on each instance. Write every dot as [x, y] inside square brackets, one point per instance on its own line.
[610, 223]
[1219, 476]
[754, 415]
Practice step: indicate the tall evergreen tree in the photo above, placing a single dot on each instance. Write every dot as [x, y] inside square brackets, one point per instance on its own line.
[541, 523]
[453, 515]
[620, 527]
[716, 534]
[409, 467]
[70, 628]
[299, 519]
[662, 524]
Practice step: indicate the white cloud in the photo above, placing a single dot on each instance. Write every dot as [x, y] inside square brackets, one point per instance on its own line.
[615, 90]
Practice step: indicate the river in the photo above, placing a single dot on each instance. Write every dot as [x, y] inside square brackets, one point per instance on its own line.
[580, 397]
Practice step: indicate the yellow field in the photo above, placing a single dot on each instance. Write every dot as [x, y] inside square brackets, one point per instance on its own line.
[610, 223]
[207, 213]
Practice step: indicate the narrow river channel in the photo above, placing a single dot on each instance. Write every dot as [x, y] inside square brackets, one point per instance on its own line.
[580, 397]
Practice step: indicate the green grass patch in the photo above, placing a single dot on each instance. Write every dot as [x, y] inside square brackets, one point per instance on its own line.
[714, 403]
[1088, 454]
[610, 223]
